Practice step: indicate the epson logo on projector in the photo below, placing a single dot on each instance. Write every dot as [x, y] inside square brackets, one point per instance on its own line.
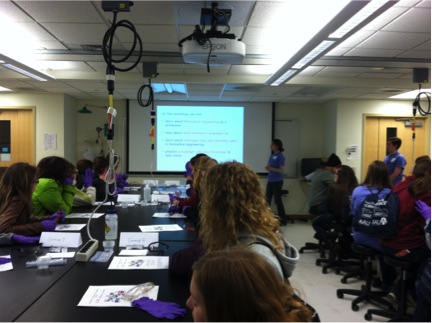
[223, 51]
[214, 46]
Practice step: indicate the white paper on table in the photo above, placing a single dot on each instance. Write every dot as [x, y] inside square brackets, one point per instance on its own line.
[100, 202]
[160, 227]
[147, 262]
[84, 215]
[167, 215]
[8, 266]
[69, 227]
[111, 296]
[69, 254]
[137, 238]
[133, 252]
[61, 239]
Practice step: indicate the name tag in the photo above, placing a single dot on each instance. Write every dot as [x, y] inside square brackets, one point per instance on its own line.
[61, 239]
[137, 238]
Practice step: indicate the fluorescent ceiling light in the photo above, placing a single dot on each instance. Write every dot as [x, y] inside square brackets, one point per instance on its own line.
[342, 23]
[24, 69]
[409, 95]
[168, 87]
[3, 89]
[358, 18]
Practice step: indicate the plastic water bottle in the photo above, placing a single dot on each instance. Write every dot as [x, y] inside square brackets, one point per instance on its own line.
[147, 194]
[111, 225]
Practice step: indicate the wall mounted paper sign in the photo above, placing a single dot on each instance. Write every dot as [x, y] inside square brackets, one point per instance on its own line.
[171, 216]
[160, 227]
[111, 296]
[83, 215]
[69, 227]
[131, 263]
[61, 239]
[137, 238]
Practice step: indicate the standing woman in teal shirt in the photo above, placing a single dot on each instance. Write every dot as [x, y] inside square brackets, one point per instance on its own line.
[275, 167]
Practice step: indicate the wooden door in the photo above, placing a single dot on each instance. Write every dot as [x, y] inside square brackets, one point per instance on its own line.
[22, 133]
[378, 129]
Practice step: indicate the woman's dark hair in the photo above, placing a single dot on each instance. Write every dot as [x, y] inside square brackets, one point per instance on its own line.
[18, 180]
[100, 164]
[83, 164]
[341, 191]
[56, 168]
[196, 157]
[378, 176]
[278, 144]
[422, 181]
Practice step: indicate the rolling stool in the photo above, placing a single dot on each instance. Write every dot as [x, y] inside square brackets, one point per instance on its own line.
[399, 315]
[365, 293]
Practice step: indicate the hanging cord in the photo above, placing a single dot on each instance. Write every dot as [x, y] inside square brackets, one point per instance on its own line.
[108, 42]
[150, 98]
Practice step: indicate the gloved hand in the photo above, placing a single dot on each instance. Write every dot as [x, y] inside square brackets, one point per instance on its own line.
[59, 216]
[88, 177]
[4, 260]
[118, 190]
[49, 225]
[173, 197]
[424, 209]
[174, 209]
[68, 181]
[159, 309]
[121, 180]
[188, 167]
[19, 239]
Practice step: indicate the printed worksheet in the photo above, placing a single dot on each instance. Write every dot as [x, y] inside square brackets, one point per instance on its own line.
[167, 215]
[147, 262]
[69, 227]
[160, 227]
[6, 266]
[84, 215]
[111, 296]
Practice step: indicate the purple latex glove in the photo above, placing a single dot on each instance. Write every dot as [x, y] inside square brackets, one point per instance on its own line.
[424, 209]
[68, 181]
[119, 190]
[174, 209]
[19, 239]
[49, 225]
[159, 309]
[4, 260]
[59, 216]
[173, 197]
[121, 177]
[188, 167]
[88, 177]
[121, 183]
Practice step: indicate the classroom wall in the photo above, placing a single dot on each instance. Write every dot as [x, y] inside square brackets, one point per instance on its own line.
[324, 129]
[50, 113]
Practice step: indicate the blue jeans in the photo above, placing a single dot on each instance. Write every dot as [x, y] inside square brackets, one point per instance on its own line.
[274, 189]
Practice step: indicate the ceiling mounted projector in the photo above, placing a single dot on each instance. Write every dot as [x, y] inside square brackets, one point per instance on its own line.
[213, 47]
[217, 51]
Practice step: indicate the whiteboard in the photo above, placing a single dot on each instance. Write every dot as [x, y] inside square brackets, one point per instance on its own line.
[288, 131]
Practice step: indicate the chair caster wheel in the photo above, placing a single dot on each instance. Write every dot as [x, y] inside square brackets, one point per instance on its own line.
[339, 294]
[343, 280]
[324, 271]
[368, 317]
[355, 307]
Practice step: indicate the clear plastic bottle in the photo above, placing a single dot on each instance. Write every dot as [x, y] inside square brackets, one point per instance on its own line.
[147, 194]
[111, 225]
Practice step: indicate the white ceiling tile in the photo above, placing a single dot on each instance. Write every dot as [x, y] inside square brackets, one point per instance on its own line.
[413, 20]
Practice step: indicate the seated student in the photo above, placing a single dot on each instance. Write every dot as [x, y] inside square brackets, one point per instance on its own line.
[409, 242]
[181, 261]
[82, 167]
[16, 187]
[238, 285]
[87, 194]
[189, 173]
[339, 202]
[234, 211]
[377, 181]
[108, 184]
[322, 179]
[55, 190]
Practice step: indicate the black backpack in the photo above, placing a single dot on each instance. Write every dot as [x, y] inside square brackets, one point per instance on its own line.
[376, 216]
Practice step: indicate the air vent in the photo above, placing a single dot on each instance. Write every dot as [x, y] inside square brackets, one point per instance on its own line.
[240, 87]
[315, 91]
